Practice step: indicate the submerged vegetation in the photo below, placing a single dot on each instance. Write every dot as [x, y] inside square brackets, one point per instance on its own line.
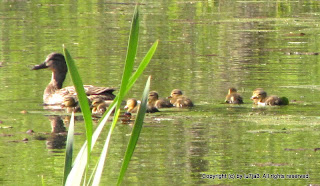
[77, 172]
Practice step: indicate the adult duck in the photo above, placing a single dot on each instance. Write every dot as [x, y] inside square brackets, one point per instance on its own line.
[177, 99]
[260, 97]
[233, 97]
[54, 94]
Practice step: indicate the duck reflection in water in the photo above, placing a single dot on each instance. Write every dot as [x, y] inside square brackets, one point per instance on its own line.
[58, 136]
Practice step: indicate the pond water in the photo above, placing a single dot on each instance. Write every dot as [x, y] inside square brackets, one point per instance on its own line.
[205, 48]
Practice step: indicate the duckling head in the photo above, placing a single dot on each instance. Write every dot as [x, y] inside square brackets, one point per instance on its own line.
[258, 94]
[232, 90]
[153, 96]
[97, 101]
[175, 93]
[131, 104]
[69, 102]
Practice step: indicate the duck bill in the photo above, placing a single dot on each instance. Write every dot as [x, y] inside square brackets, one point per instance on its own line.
[41, 66]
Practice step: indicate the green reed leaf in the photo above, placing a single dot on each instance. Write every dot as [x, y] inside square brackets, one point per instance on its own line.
[69, 150]
[144, 63]
[135, 131]
[82, 98]
[131, 54]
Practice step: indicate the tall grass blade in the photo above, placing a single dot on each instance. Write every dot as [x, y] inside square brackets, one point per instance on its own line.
[83, 100]
[100, 165]
[144, 63]
[81, 159]
[135, 132]
[69, 150]
[126, 83]
[131, 54]
[128, 68]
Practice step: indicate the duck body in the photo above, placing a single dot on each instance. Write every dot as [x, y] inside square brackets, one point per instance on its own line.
[260, 97]
[233, 97]
[54, 94]
[154, 101]
[177, 99]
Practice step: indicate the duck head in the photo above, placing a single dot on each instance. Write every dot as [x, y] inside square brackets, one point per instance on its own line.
[57, 64]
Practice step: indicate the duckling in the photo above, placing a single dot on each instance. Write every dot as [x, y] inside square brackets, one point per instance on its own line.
[233, 97]
[179, 100]
[260, 97]
[71, 104]
[133, 106]
[54, 94]
[153, 100]
[99, 105]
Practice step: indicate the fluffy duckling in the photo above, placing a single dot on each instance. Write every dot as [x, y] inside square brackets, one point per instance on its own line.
[99, 106]
[71, 104]
[233, 97]
[153, 100]
[179, 100]
[260, 97]
[133, 105]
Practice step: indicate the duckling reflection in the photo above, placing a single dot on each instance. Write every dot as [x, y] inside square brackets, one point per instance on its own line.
[260, 97]
[179, 100]
[233, 97]
[154, 101]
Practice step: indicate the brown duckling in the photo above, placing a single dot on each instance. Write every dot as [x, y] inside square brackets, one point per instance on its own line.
[133, 105]
[233, 97]
[54, 94]
[71, 104]
[99, 105]
[179, 100]
[260, 97]
[153, 100]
